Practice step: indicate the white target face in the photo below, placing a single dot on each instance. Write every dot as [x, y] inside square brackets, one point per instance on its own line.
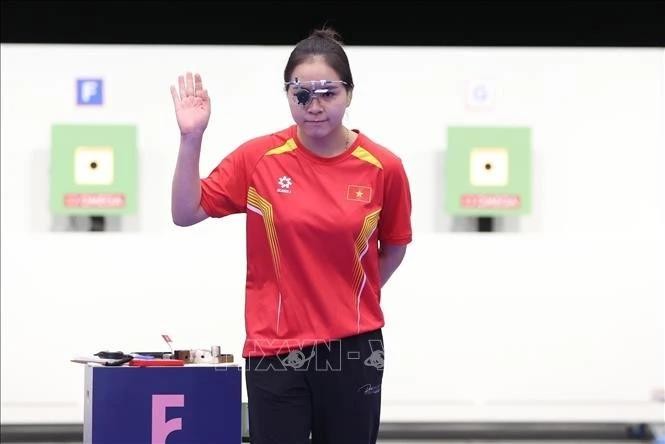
[489, 167]
[93, 166]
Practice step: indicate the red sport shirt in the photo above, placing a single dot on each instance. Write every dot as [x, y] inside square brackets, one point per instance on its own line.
[313, 227]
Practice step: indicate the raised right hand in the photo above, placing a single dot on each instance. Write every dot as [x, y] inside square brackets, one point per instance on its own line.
[192, 105]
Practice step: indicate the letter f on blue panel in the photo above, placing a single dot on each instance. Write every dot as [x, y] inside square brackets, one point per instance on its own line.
[89, 92]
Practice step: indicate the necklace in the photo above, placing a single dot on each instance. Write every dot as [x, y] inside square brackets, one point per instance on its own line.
[347, 140]
[346, 137]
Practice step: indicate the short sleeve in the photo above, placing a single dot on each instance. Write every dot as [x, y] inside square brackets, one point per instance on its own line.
[224, 191]
[395, 220]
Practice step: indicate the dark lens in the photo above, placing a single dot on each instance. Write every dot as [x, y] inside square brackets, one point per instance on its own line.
[303, 96]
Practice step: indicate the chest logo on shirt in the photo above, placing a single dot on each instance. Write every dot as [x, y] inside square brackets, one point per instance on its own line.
[359, 193]
[284, 183]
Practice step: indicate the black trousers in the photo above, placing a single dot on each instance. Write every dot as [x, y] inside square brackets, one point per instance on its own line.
[332, 390]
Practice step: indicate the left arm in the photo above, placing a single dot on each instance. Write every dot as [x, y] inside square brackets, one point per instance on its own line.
[395, 222]
[390, 256]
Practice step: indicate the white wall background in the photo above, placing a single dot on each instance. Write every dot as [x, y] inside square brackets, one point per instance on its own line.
[561, 320]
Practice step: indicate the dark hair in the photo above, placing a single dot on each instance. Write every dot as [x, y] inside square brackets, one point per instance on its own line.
[321, 42]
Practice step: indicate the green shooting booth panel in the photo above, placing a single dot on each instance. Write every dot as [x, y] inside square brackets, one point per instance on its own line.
[94, 170]
[488, 171]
